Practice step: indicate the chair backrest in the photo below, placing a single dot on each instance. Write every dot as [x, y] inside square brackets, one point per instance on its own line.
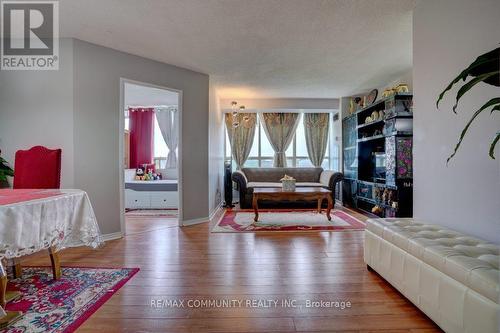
[38, 167]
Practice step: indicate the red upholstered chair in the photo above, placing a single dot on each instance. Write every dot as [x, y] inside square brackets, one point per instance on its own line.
[38, 168]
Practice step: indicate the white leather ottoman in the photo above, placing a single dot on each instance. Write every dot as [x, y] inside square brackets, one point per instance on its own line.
[451, 277]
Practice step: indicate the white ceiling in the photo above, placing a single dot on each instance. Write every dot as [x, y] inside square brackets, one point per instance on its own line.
[137, 95]
[258, 48]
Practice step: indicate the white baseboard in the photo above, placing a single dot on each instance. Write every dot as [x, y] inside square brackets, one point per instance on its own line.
[112, 236]
[215, 214]
[105, 238]
[186, 223]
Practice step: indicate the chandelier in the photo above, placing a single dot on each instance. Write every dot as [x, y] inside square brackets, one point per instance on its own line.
[235, 110]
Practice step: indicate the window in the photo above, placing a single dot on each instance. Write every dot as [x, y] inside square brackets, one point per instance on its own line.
[160, 149]
[127, 120]
[262, 153]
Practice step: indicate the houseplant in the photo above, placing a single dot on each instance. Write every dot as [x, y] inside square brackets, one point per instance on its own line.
[5, 171]
[486, 68]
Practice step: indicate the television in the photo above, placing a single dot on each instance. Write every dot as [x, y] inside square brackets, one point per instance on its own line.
[379, 167]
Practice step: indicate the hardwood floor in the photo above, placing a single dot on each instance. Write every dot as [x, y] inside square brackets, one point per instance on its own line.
[190, 263]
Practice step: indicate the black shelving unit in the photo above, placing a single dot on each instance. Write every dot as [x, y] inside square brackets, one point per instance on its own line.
[378, 157]
[350, 156]
[371, 138]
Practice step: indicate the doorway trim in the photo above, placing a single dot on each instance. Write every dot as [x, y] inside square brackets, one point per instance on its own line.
[121, 133]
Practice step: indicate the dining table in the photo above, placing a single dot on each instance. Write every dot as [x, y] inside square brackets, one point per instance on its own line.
[32, 220]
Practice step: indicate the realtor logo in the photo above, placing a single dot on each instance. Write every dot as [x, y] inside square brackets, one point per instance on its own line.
[29, 35]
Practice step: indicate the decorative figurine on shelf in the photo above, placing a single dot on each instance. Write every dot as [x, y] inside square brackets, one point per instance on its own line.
[371, 97]
[385, 196]
[402, 88]
[391, 196]
[377, 210]
[387, 93]
[351, 106]
[359, 103]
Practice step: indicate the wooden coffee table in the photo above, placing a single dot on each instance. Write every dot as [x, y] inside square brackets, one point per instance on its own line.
[300, 193]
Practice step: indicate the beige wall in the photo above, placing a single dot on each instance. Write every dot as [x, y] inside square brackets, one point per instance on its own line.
[97, 103]
[216, 151]
[36, 108]
[447, 36]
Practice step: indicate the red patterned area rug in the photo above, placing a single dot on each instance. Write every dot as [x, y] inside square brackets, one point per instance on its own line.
[62, 305]
[286, 220]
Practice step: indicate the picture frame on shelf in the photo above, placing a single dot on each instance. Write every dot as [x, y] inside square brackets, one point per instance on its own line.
[371, 97]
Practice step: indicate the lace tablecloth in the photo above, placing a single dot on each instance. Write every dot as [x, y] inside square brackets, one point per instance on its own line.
[34, 220]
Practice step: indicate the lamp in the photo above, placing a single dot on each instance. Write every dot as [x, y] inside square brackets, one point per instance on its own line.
[246, 118]
[233, 108]
[236, 122]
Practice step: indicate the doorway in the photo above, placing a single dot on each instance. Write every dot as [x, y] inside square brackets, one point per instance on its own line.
[150, 156]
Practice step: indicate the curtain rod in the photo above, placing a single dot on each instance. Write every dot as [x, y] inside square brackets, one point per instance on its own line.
[283, 111]
[151, 107]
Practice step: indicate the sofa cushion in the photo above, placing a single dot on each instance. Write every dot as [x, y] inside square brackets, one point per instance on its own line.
[272, 184]
[471, 261]
[274, 175]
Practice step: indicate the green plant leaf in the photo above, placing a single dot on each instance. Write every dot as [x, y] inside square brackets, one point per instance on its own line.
[493, 144]
[5, 170]
[485, 63]
[4, 174]
[466, 87]
[495, 102]
[489, 66]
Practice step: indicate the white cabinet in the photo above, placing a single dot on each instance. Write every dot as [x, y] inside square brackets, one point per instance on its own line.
[137, 199]
[164, 199]
[151, 199]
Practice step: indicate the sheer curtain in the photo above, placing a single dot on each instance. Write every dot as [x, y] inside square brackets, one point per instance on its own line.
[280, 128]
[241, 137]
[316, 132]
[168, 121]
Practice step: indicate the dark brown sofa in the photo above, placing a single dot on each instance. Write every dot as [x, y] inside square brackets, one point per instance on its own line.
[249, 178]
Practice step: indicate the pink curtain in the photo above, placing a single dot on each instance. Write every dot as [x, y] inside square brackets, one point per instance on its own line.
[141, 136]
